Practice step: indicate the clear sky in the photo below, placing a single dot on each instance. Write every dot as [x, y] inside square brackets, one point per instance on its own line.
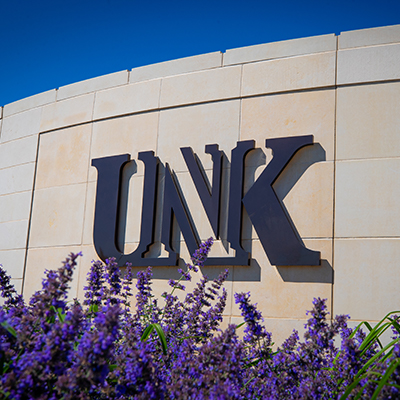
[47, 44]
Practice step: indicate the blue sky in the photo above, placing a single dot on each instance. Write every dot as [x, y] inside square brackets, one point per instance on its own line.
[48, 44]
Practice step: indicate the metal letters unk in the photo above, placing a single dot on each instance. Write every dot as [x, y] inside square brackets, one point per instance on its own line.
[265, 210]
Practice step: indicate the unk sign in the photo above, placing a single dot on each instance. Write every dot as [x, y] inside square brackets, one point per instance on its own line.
[265, 210]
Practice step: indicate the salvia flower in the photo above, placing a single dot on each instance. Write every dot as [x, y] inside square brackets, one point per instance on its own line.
[173, 347]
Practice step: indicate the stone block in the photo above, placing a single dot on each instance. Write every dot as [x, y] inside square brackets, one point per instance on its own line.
[63, 157]
[67, 112]
[130, 134]
[368, 121]
[280, 328]
[176, 67]
[127, 99]
[21, 125]
[369, 37]
[53, 223]
[367, 198]
[93, 85]
[30, 102]
[366, 285]
[368, 64]
[199, 87]
[17, 179]
[13, 234]
[293, 73]
[38, 260]
[196, 126]
[13, 262]
[291, 114]
[15, 206]
[285, 48]
[19, 151]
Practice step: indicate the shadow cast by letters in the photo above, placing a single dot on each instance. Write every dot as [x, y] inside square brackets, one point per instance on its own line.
[323, 273]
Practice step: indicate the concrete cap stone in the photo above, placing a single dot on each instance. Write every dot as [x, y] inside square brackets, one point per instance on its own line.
[369, 37]
[93, 85]
[286, 48]
[176, 67]
[30, 102]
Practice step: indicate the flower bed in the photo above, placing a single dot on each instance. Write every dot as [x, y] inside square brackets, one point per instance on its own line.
[107, 349]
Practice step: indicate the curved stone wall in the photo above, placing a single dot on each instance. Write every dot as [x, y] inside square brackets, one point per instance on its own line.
[342, 194]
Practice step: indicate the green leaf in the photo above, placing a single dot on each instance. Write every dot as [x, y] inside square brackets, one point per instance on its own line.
[373, 336]
[249, 381]
[395, 324]
[161, 336]
[94, 308]
[393, 385]
[160, 333]
[385, 377]
[147, 332]
[113, 367]
[372, 359]
[61, 315]
[350, 388]
[360, 392]
[9, 328]
[374, 333]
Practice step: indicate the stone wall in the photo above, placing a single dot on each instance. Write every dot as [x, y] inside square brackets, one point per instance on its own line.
[342, 194]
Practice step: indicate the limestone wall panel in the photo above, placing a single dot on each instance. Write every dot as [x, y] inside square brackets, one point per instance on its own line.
[21, 125]
[38, 260]
[13, 261]
[127, 99]
[15, 206]
[63, 157]
[18, 152]
[67, 112]
[367, 198]
[131, 134]
[16, 179]
[368, 64]
[196, 126]
[199, 87]
[368, 121]
[53, 223]
[291, 114]
[366, 277]
[286, 74]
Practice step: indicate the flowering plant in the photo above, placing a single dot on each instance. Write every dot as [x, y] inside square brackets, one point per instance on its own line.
[169, 348]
